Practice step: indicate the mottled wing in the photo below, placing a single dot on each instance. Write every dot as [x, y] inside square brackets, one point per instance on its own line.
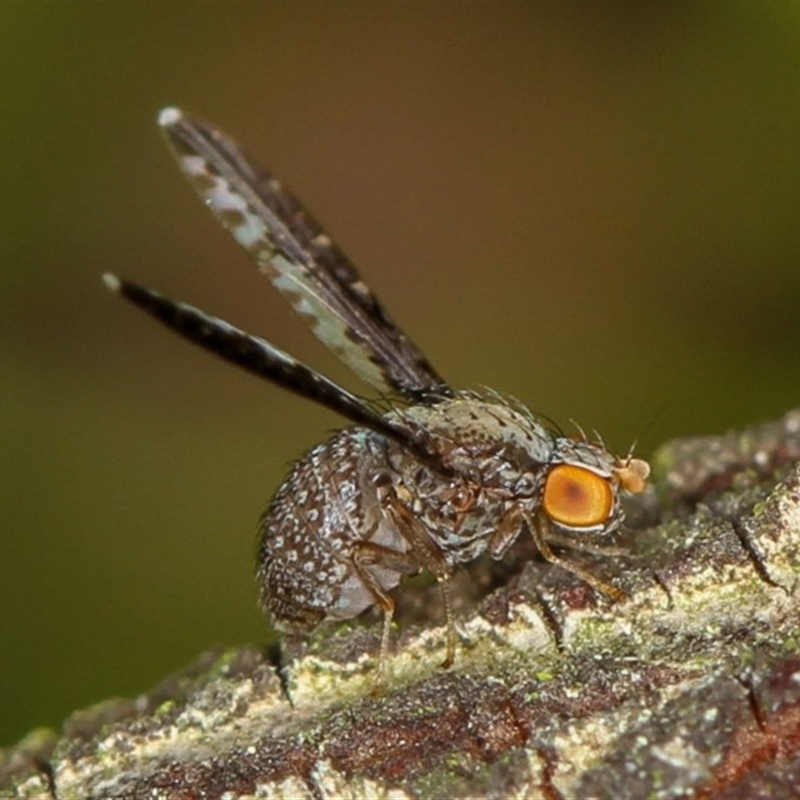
[301, 261]
[263, 359]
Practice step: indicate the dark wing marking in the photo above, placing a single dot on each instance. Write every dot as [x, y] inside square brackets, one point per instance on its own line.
[263, 359]
[300, 260]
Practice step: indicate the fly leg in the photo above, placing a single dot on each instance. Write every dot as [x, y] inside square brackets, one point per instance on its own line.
[538, 526]
[369, 554]
[506, 533]
[570, 542]
[429, 557]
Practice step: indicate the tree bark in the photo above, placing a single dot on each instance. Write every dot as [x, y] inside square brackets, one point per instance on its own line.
[689, 687]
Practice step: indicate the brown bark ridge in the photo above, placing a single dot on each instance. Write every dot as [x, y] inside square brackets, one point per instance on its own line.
[691, 687]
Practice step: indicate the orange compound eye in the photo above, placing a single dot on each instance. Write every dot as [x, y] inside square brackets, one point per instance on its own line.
[577, 497]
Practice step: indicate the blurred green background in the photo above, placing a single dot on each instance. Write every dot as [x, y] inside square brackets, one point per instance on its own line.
[591, 206]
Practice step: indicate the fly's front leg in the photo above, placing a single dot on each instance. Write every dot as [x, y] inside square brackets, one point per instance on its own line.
[369, 554]
[539, 527]
[429, 557]
[596, 549]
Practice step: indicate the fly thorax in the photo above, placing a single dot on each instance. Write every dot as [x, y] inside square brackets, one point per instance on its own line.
[469, 432]
[492, 456]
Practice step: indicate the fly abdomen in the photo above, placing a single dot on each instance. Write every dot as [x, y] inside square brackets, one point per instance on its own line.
[326, 515]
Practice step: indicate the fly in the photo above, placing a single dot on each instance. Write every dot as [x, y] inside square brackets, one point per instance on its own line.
[442, 477]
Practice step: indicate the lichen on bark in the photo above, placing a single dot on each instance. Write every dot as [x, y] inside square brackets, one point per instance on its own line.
[690, 687]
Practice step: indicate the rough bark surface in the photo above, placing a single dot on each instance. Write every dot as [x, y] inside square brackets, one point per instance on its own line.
[691, 687]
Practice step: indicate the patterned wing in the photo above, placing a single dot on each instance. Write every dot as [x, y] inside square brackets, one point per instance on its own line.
[263, 359]
[300, 260]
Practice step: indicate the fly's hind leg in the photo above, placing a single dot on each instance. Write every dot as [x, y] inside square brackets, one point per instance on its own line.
[369, 554]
